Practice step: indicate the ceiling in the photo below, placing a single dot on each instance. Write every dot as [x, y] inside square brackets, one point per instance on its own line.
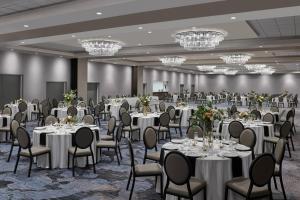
[268, 29]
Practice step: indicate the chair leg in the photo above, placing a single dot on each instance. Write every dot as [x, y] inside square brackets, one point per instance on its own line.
[275, 183]
[204, 193]
[116, 152]
[288, 146]
[17, 162]
[30, 165]
[161, 186]
[93, 160]
[132, 186]
[120, 153]
[180, 131]
[128, 183]
[50, 161]
[68, 160]
[73, 165]
[291, 138]
[226, 192]
[282, 187]
[10, 152]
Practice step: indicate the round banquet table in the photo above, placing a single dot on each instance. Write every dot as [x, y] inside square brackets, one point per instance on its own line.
[59, 140]
[260, 128]
[144, 121]
[212, 166]
[62, 112]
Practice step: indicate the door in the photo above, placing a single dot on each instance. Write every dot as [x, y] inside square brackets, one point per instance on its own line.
[144, 88]
[55, 90]
[10, 87]
[192, 89]
[92, 91]
[181, 88]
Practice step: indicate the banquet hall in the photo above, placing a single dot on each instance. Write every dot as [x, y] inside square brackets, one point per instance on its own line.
[149, 99]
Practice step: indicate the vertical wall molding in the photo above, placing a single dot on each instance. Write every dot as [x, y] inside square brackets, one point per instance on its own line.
[74, 70]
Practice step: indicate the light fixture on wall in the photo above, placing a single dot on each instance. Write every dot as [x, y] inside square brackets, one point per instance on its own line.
[101, 47]
[172, 60]
[196, 39]
[236, 59]
[205, 68]
[253, 67]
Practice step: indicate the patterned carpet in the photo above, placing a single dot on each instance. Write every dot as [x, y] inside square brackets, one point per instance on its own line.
[109, 182]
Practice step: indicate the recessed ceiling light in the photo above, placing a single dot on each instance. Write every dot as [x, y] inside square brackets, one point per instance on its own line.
[233, 18]
[60, 56]
[261, 46]
[22, 42]
[140, 28]
[26, 26]
[109, 36]
[99, 13]
[297, 64]
[266, 52]
[73, 36]
[149, 32]
[139, 44]
[147, 52]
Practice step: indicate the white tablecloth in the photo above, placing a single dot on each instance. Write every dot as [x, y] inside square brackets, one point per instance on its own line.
[30, 108]
[114, 109]
[62, 112]
[258, 128]
[132, 100]
[59, 141]
[214, 169]
[175, 97]
[186, 114]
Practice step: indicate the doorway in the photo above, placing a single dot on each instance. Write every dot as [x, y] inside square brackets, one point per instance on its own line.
[92, 92]
[55, 90]
[11, 88]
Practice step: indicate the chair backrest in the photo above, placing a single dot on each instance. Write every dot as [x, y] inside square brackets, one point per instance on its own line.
[137, 104]
[279, 150]
[101, 106]
[22, 106]
[45, 110]
[119, 132]
[88, 119]
[235, 128]
[6, 111]
[289, 114]
[125, 105]
[61, 105]
[262, 169]
[150, 138]
[121, 111]
[164, 119]
[50, 120]
[174, 163]
[170, 107]
[14, 125]
[74, 102]
[84, 137]
[18, 117]
[248, 138]
[269, 117]
[172, 113]
[126, 119]
[97, 110]
[192, 130]
[91, 102]
[162, 106]
[54, 103]
[285, 129]
[256, 113]
[72, 111]
[23, 137]
[233, 109]
[131, 154]
[111, 125]
[82, 104]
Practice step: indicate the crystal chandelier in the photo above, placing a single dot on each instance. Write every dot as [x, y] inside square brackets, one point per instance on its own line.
[253, 67]
[236, 59]
[206, 68]
[231, 72]
[267, 70]
[220, 70]
[101, 47]
[199, 39]
[172, 60]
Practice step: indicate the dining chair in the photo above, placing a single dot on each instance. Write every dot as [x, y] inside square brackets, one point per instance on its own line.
[235, 128]
[50, 120]
[82, 104]
[27, 150]
[128, 127]
[150, 141]
[180, 182]
[278, 155]
[163, 127]
[256, 114]
[54, 103]
[103, 112]
[162, 106]
[269, 117]
[248, 138]
[14, 125]
[194, 129]
[112, 144]
[88, 119]
[142, 170]
[284, 132]
[125, 105]
[72, 111]
[111, 125]
[170, 108]
[22, 106]
[258, 185]
[7, 111]
[83, 139]
[176, 124]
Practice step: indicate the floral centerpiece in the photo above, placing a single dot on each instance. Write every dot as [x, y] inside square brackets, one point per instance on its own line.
[69, 97]
[244, 115]
[258, 99]
[145, 101]
[70, 119]
[182, 103]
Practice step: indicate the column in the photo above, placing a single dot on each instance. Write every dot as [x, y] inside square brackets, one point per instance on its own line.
[82, 78]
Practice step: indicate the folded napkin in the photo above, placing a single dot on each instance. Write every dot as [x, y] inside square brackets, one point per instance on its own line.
[236, 167]
[156, 121]
[55, 113]
[266, 131]
[4, 122]
[177, 112]
[276, 117]
[192, 111]
[43, 139]
[34, 107]
[193, 164]
[220, 127]
[85, 112]
[135, 121]
[73, 139]
[108, 108]
[97, 134]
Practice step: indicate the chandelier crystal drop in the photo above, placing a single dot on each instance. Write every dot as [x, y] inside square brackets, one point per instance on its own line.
[206, 68]
[253, 67]
[236, 59]
[172, 60]
[101, 47]
[199, 39]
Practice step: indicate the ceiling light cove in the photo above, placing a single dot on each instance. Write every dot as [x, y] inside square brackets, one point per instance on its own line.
[206, 68]
[199, 39]
[236, 59]
[26, 26]
[101, 47]
[172, 60]
[98, 13]
[253, 67]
